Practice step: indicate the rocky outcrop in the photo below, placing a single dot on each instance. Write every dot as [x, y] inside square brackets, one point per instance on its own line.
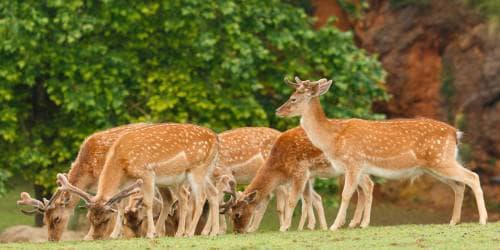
[443, 62]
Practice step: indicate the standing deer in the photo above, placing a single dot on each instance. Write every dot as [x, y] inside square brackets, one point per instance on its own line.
[84, 174]
[163, 155]
[393, 149]
[293, 162]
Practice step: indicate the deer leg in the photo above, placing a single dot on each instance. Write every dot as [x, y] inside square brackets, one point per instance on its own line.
[298, 185]
[311, 220]
[90, 234]
[358, 213]
[303, 214]
[350, 185]
[458, 189]
[258, 215]
[160, 223]
[318, 205]
[454, 171]
[198, 191]
[117, 229]
[212, 226]
[183, 196]
[148, 192]
[367, 188]
[281, 197]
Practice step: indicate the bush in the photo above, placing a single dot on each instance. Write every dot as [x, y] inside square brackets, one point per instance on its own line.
[72, 67]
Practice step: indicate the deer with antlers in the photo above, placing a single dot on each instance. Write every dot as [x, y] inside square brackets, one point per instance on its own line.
[393, 149]
[292, 163]
[165, 215]
[84, 174]
[163, 155]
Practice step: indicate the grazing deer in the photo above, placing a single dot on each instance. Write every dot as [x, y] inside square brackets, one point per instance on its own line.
[134, 223]
[163, 155]
[392, 149]
[84, 174]
[293, 162]
[242, 152]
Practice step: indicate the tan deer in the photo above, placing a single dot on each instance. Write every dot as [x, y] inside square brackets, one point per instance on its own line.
[242, 152]
[293, 162]
[393, 149]
[84, 174]
[164, 209]
[163, 155]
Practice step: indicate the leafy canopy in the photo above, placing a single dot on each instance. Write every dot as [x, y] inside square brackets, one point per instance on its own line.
[69, 68]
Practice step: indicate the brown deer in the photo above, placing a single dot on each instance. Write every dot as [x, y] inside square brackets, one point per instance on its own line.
[293, 162]
[134, 223]
[163, 155]
[392, 149]
[242, 152]
[84, 174]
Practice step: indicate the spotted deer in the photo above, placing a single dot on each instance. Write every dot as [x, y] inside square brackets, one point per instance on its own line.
[393, 149]
[242, 152]
[292, 163]
[84, 174]
[163, 155]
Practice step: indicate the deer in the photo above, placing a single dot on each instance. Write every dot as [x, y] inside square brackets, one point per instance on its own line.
[242, 152]
[164, 155]
[84, 174]
[392, 149]
[293, 162]
[165, 217]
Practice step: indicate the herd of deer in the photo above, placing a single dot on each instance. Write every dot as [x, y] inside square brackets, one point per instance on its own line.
[175, 175]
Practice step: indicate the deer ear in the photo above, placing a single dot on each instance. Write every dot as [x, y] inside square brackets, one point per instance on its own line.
[321, 88]
[251, 197]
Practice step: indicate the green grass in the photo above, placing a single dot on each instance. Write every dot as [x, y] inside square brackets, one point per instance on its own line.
[9, 211]
[380, 235]
[464, 236]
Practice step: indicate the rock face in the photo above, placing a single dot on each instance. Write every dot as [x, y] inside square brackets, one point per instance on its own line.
[443, 62]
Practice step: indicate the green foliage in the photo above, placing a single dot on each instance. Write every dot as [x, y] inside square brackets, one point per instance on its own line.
[421, 4]
[72, 67]
[487, 8]
[354, 8]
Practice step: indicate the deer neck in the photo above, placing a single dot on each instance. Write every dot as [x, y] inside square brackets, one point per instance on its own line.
[316, 124]
[264, 183]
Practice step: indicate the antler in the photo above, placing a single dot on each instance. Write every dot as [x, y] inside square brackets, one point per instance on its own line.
[27, 200]
[290, 83]
[295, 84]
[130, 190]
[322, 80]
[232, 192]
[66, 186]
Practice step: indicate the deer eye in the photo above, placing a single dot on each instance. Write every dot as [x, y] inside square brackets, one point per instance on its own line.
[57, 220]
[293, 100]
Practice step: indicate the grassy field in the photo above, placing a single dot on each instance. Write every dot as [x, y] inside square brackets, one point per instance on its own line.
[380, 235]
[465, 236]
[9, 211]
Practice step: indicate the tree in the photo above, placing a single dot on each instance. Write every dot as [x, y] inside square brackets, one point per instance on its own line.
[72, 67]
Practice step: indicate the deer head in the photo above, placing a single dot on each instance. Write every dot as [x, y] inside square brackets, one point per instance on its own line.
[240, 207]
[56, 215]
[135, 214]
[304, 92]
[101, 213]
